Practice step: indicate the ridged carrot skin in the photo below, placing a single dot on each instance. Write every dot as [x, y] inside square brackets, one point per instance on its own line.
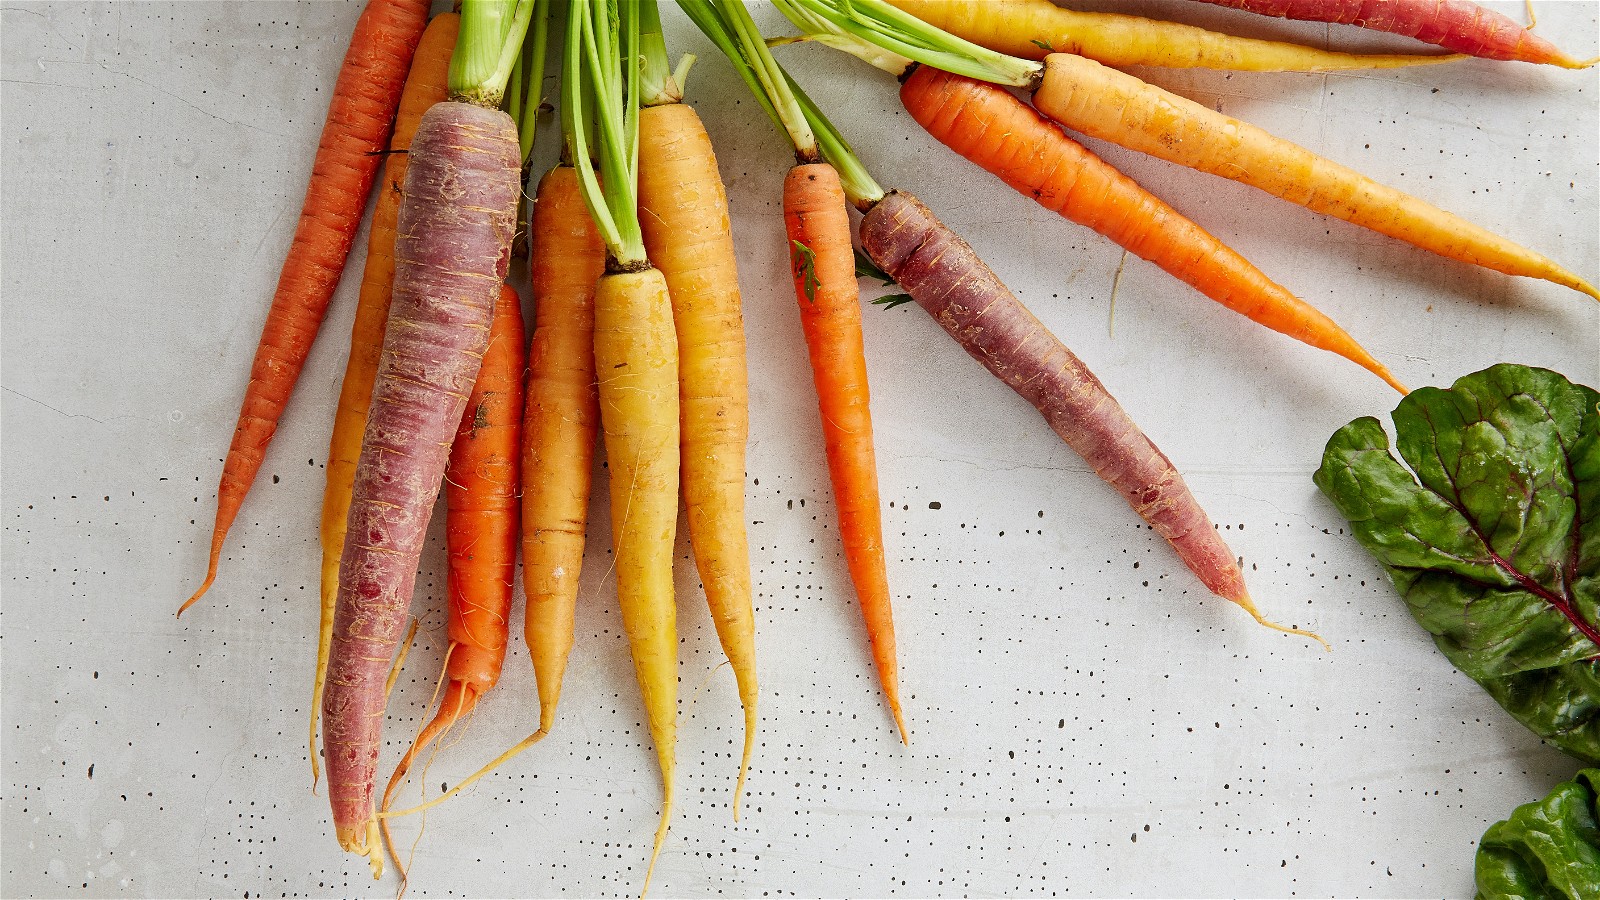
[482, 490]
[559, 425]
[636, 361]
[482, 486]
[425, 86]
[683, 211]
[988, 125]
[947, 279]
[1019, 27]
[1102, 102]
[454, 240]
[1453, 24]
[360, 115]
[815, 217]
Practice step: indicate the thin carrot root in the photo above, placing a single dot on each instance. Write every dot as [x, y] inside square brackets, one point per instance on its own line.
[470, 780]
[744, 762]
[400, 659]
[1249, 606]
[435, 728]
[211, 574]
[661, 830]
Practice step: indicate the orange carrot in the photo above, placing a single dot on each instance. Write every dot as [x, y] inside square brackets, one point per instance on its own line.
[482, 486]
[988, 125]
[425, 86]
[559, 425]
[360, 114]
[818, 227]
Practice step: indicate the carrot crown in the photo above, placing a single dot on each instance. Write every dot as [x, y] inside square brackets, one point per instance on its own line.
[659, 83]
[867, 28]
[599, 75]
[728, 24]
[487, 49]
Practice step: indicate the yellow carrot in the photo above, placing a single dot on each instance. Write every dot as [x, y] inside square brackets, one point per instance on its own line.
[1102, 102]
[1034, 28]
[683, 211]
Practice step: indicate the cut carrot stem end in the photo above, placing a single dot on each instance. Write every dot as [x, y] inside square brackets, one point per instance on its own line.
[1249, 606]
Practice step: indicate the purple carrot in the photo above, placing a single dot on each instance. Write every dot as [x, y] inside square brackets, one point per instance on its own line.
[451, 252]
[968, 300]
[1453, 24]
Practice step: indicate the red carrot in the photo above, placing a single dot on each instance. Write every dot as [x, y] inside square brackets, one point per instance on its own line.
[1453, 24]
[360, 115]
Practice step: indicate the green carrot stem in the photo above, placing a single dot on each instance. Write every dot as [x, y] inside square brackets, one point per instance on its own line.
[487, 49]
[604, 68]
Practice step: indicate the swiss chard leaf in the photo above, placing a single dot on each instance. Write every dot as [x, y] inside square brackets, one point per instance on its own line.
[1547, 849]
[1492, 535]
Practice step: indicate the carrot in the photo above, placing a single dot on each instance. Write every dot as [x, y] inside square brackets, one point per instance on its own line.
[482, 487]
[1453, 24]
[818, 228]
[989, 126]
[559, 425]
[948, 280]
[815, 218]
[636, 365]
[943, 274]
[683, 211]
[1033, 28]
[1104, 103]
[453, 243]
[360, 114]
[425, 86]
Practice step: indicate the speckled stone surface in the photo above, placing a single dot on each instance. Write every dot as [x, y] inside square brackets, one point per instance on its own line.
[1086, 720]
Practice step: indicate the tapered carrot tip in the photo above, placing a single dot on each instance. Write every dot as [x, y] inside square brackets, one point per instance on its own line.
[211, 575]
[900, 723]
[661, 838]
[362, 840]
[1249, 606]
[1383, 372]
[744, 763]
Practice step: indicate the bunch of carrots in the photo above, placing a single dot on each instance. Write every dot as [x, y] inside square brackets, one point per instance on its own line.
[638, 341]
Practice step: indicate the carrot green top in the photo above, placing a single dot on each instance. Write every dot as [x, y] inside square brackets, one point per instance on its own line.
[728, 24]
[599, 75]
[525, 91]
[868, 28]
[487, 48]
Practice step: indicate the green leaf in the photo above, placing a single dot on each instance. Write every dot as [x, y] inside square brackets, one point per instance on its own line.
[1546, 849]
[866, 268]
[1043, 45]
[1491, 531]
[805, 265]
[890, 301]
